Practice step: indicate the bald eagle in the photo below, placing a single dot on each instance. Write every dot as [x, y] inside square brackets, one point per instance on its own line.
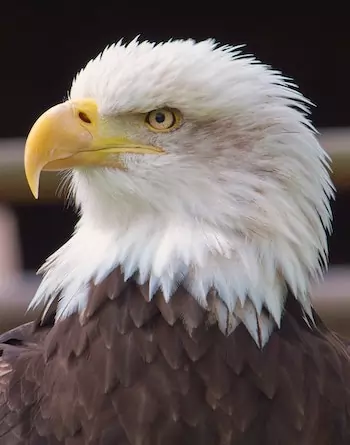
[179, 311]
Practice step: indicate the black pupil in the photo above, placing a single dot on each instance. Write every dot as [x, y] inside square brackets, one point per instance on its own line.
[160, 117]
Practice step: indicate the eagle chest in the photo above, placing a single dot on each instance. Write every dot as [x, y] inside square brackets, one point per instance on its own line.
[137, 372]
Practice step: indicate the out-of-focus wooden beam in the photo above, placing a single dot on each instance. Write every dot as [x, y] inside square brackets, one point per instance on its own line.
[336, 141]
[331, 298]
[15, 295]
[13, 185]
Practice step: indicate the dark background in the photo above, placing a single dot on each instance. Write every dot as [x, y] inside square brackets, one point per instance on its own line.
[44, 44]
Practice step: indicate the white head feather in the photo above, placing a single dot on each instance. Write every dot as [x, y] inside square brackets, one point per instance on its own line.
[239, 204]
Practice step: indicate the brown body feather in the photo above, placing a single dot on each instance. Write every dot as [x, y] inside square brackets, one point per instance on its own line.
[133, 372]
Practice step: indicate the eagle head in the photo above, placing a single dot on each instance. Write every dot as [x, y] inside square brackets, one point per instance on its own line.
[190, 164]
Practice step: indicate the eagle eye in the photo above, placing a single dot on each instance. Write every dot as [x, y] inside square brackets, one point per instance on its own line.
[163, 119]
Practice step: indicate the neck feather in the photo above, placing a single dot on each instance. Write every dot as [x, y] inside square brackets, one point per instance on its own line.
[250, 275]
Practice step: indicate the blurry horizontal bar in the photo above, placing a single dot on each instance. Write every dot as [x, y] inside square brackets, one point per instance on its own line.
[13, 186]
[15, 295]
[331, 299]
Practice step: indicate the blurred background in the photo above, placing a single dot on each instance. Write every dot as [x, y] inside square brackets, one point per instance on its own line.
[44, 44]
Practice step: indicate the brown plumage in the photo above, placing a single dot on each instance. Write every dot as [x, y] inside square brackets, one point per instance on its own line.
[129, 371]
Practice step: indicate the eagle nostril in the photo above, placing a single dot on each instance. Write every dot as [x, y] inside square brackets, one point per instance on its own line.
[84, 117]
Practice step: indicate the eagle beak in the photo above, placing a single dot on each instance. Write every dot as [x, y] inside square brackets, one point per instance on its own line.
[73, 134]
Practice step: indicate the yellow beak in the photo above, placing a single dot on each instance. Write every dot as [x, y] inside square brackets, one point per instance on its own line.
[72, 134]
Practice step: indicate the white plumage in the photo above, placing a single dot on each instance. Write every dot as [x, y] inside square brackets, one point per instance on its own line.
[238, 205]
